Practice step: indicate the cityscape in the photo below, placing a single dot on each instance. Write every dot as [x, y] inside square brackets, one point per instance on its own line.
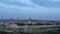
[29, 26]
[29, 16]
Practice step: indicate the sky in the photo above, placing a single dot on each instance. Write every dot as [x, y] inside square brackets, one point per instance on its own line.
[34, 9]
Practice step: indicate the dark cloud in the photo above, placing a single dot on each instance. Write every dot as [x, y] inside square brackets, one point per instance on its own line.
[47, 3]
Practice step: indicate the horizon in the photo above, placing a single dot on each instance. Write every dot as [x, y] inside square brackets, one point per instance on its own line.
[34, 9]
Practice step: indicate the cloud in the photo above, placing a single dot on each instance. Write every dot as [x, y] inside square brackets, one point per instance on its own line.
[24, 9]
[47, 3]
[24, 3]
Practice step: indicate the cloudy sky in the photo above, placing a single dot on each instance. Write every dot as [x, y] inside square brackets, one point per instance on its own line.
[35, 9]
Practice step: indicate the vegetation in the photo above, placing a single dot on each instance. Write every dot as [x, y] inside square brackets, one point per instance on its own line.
[2, 32]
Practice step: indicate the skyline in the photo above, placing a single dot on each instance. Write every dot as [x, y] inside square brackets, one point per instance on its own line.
[35, 9]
